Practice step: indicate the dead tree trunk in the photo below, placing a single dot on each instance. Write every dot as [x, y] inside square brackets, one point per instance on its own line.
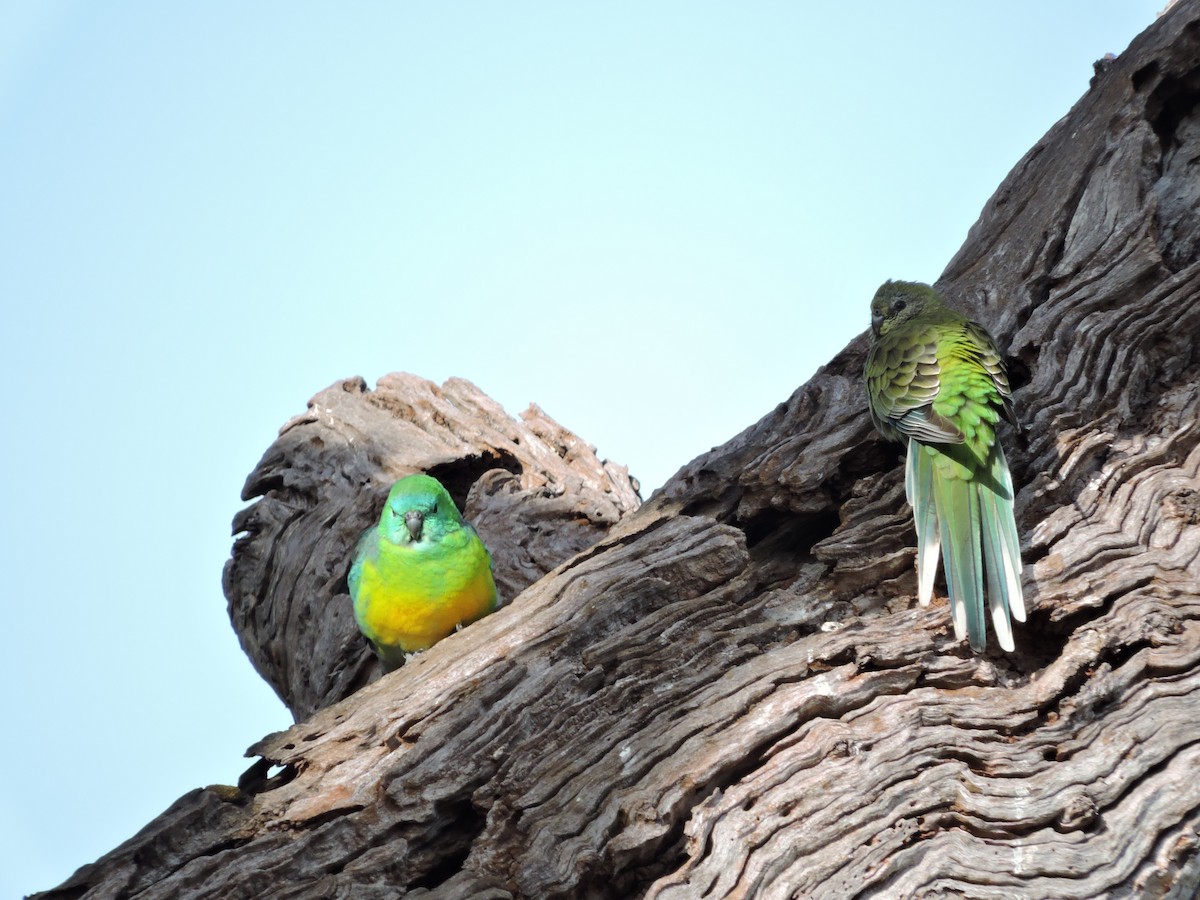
[734, 692]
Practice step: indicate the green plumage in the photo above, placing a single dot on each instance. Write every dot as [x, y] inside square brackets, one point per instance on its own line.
[936, 381]
[419, 574]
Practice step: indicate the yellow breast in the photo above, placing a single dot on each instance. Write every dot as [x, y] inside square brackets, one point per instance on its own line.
[409, 598]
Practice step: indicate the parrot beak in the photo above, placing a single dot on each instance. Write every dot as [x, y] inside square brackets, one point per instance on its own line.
[876, 322]
[414, 521]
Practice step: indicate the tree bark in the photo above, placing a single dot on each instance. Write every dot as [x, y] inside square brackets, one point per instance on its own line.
[734, 693]
[536, 493]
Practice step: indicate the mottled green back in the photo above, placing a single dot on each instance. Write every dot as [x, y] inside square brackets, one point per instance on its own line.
[932, 374]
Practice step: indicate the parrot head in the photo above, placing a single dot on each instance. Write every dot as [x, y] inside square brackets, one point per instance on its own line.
[897, 302]
[418, 508]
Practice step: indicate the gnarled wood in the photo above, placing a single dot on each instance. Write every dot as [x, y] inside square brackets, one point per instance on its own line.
[535, 491]
[734, 693]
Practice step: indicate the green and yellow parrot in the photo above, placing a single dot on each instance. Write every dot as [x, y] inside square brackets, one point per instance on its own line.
[936, 381]
[420, 573]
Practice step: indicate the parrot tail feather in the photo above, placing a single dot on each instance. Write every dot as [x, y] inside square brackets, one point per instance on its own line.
[918, 487]
[1001, 552]
[957, 502]
[997, 562]
[1012, 543]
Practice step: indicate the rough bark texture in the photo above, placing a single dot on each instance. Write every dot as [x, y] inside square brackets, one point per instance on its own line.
[734, 693]
[537, 494]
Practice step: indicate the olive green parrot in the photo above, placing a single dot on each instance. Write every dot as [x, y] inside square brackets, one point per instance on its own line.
[419, 574]
[936, 381]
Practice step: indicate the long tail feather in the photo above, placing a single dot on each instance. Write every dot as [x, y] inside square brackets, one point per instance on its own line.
[996, 563]
[1012, 543]
[969, 522]
[1001, 552]
[958, 512]
[918, 487]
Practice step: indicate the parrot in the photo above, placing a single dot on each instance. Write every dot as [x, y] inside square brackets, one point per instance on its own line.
[936, 382]
[420, 573]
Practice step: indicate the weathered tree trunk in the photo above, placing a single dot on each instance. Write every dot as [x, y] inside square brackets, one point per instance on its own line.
[734, 693]
[537, 494]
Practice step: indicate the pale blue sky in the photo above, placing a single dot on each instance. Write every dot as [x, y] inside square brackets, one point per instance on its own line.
[653, 219]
